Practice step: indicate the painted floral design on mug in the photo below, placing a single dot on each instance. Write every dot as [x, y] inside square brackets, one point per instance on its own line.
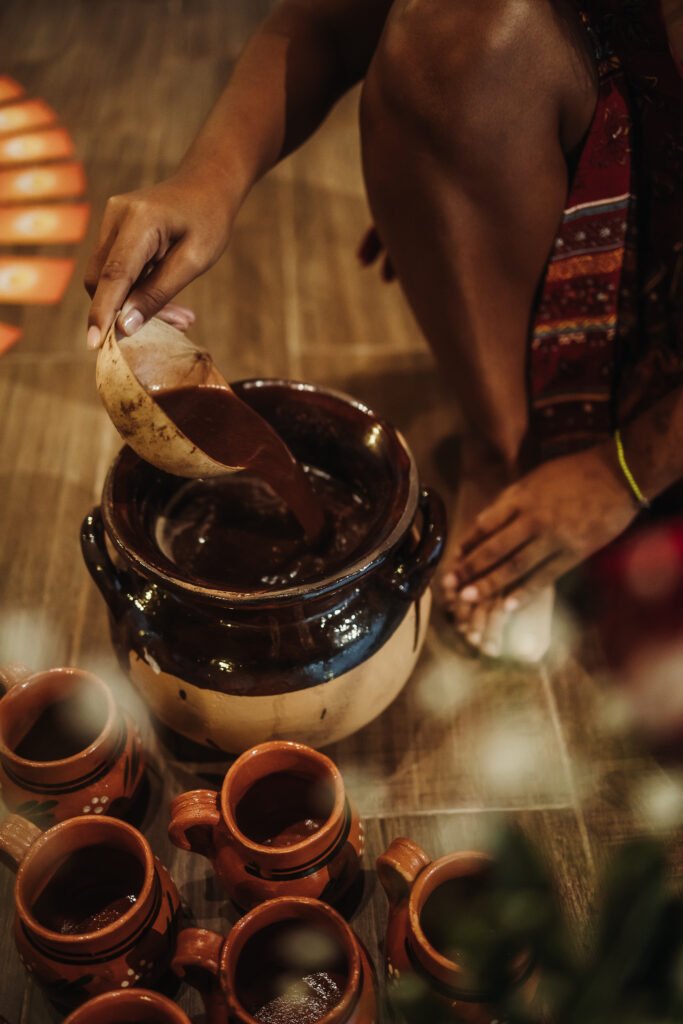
[66, 749]
[95, 910]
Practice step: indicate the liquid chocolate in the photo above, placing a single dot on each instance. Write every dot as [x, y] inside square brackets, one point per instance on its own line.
[63, 729]
[93, 888]
[233, 532]
[291, 973]
[445, 908]
[283, 809]
[231, 432]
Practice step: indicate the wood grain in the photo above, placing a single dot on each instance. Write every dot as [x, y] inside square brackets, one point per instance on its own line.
[468, 743]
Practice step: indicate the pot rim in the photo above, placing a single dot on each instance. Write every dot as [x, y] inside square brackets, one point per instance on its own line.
[295, 908]
[75, 760]
[319, 839]
[138, 910]
[361, 567]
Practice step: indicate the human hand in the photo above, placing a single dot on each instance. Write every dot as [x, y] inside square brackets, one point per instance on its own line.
[539, 528]
[152, 243]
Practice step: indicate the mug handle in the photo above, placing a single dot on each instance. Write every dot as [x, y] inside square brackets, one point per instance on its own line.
[197, 950]
[111, 582]
[194, 816]
[12, 674]
[411, 576]
[398, 868]
[17, 836]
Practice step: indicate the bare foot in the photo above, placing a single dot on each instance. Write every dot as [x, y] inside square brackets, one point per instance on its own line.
[491, 628]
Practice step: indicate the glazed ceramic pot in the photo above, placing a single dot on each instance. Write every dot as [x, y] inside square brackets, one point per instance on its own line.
[65, 747]
[95, 911]
[313, 662]
[288, 960]
[129, 1006]
[423, 896]
[281, 825]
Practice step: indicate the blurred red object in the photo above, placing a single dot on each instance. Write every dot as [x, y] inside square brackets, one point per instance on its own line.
[637, 585]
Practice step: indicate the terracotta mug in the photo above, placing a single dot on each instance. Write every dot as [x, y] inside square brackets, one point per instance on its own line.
[65, 747]
[94, 909]
[423, 896]
[281, 825]
[129, 1006]
[287, 960]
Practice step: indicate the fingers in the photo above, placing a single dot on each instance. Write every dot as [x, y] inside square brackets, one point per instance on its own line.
[178, 316]
[154, 292]
[133, 247]
[496, 548]
[543, 577]
[507, 575]
[494, 631]
[494, 518]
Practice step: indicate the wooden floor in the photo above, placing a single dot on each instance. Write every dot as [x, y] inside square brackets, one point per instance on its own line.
[467, 743]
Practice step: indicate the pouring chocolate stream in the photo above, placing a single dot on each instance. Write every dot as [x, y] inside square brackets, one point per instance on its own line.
[172, 405]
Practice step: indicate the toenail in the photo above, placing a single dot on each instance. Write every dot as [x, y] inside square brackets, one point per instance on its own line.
[470, 594]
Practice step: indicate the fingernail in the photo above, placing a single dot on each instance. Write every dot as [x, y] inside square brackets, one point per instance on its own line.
[470, 595]
[94, 337]
[474, 639]
[490, 649]
[132, 321]
[511, 604]
[449, 580]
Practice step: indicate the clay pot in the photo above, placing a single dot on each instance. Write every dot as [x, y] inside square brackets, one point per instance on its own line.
[409, 879]
[313, 662]
[241, 976]
[51, 768]
[94, 909]
[129, 1006]
[281, 825]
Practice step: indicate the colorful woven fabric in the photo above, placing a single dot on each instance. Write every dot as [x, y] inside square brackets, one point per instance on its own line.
[607, 336]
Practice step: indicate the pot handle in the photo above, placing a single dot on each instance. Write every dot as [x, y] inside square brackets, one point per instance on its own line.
[11, 675]
[17, 836]
[110, 581]
[198, 952]
[194, 816]
[414, 570]
[398, 868]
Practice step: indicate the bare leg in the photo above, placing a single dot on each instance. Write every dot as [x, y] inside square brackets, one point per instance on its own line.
[470, 113]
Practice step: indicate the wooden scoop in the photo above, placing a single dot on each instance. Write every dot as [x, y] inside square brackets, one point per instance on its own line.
[172, 405]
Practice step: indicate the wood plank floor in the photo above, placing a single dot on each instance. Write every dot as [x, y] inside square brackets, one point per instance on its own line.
[467, 742]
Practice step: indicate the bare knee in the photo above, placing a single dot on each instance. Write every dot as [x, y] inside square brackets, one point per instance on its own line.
[471, 71]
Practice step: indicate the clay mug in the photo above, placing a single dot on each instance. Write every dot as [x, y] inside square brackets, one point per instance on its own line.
[424, 896]
[129, 1006]
[281, 825]
[287, 960]
[94, 909]
[65, 747]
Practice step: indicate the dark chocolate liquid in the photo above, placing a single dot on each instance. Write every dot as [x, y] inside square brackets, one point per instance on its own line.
[94, 887]
[64, 728]
[291, 973]
[283, 809]
[233, 532]
[232, 433]
[445, 909]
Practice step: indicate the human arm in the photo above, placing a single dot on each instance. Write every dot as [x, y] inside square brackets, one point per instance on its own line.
[156, 240]
[562, 512]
